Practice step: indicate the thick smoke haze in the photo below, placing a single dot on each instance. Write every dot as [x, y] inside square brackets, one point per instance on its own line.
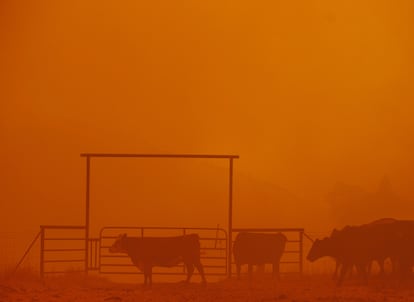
[315, 97]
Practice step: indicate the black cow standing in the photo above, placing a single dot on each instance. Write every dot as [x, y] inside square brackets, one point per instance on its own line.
[258, 249]
[147, 252]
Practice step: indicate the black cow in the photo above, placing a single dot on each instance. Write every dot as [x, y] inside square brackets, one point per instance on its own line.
[258, 249]
[147, 252]
[360, 245]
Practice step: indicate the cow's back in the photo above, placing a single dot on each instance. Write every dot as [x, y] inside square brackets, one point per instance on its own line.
[166, 251]
[258, 248]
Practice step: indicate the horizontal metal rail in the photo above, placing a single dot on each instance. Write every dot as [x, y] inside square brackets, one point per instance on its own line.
[63, 261]
[161, 228]
[238, 230]
[158, 155]
[163, 273]
[201, 239]
[172, 266]
[63, 227]
[290, 262]
[201, 248]
[64, 250]
[212, 257]
[65, 239]
[64, 272]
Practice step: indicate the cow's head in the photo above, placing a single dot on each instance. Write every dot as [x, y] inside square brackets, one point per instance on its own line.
[320, 248]
[335, 233]
[119, 246]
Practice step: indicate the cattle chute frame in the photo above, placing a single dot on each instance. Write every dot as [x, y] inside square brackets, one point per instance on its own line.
[89, 156]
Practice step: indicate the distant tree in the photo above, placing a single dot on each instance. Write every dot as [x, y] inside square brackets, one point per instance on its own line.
[352, 205]
[349, 204]
[386, 200]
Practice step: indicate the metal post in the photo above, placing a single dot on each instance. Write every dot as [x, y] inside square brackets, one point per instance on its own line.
[96, 253]
[230, 226]
[87, 213]
[42, 251]
[301, 252]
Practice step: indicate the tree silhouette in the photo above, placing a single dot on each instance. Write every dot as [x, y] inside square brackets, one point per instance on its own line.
[352, 204]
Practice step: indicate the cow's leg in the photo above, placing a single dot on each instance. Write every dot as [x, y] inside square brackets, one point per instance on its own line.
[344, 269]
[362, 271]
[148, 276]
[200, 269]
[238, 267]
[190, 271]
[381, 263]
[250, 271]
[394, 265]
[369, 266]
[337, 267]
[145, 279]
[275, 273]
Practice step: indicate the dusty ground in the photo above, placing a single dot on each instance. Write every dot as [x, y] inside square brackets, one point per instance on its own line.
[316, 288]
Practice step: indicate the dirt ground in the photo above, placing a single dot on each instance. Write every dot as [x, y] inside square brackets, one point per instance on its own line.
[298, 289]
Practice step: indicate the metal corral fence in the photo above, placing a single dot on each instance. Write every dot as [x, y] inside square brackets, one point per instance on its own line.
[292, 258]
[213, 248]
[63, 249]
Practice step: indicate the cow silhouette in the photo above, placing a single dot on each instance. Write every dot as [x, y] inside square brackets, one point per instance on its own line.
[258, 249]
[147, 252]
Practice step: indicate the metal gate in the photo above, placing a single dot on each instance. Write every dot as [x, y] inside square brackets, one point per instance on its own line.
[62, 249]
[213, 248]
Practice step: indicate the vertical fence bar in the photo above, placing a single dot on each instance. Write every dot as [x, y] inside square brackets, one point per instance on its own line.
[184, 231]
[42, 251]
[96, 253]
[91, 253]
[230, 226]
[87, 213]
[301, 252]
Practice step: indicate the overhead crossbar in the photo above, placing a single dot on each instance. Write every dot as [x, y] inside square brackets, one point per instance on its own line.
[158, 155]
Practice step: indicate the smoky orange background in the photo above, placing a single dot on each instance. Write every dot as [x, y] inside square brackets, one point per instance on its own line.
[308, 94]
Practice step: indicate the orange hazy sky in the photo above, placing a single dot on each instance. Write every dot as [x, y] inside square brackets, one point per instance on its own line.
[308, 93]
